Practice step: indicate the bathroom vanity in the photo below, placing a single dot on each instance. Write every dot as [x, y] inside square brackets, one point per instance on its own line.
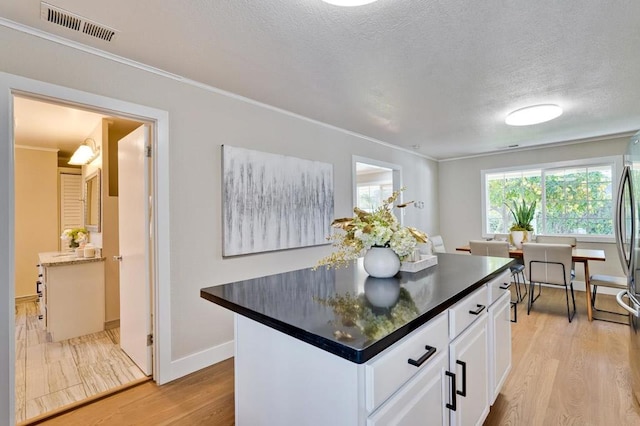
[71, 295]
[339, 347]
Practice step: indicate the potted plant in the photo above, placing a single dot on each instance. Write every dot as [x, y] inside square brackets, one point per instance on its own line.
[521, 230]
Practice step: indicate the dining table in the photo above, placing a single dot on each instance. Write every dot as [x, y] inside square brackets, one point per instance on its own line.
[578, 255]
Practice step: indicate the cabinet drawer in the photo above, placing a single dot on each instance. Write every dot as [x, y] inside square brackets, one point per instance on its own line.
[387, 372]
[497, 286]
[420, 402]
[460, 314]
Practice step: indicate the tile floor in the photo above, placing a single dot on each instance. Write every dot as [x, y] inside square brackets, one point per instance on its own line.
[50, 375]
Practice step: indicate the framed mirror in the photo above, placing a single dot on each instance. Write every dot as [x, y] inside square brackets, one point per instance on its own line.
[92, 201]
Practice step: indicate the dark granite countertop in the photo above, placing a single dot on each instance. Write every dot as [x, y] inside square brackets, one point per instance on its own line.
[350, 314]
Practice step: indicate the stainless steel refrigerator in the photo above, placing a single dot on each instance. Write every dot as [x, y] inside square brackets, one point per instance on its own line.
[627, 224]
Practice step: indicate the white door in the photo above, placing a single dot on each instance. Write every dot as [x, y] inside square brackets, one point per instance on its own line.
[134, 211]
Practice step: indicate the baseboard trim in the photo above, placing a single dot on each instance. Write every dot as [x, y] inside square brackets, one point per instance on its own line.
[27, 299]
[108, 325]
[199, 360]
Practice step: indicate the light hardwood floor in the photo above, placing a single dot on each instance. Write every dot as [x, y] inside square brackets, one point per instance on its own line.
[50, 375]
[563, 374]
[567, 373]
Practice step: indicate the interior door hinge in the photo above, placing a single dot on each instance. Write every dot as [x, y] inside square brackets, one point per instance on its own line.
[149, 339]
[148, 151]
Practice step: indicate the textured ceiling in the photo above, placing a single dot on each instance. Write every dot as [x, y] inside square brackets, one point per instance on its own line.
[438, 74]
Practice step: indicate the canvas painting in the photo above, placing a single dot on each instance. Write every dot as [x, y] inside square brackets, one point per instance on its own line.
[273, 202]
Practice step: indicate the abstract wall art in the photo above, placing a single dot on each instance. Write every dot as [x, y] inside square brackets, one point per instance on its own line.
[273, 202]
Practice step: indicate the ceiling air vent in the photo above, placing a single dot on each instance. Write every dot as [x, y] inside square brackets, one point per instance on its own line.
[75, 22]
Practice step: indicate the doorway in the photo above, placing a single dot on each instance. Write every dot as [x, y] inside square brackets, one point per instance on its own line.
[55, 373]
[373, 182]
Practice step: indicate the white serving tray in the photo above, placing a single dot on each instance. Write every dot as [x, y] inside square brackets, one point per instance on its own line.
[424, 262]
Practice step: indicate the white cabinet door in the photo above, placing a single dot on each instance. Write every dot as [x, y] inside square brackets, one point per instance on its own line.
[420, 402]
[499, 344]
[468, 359]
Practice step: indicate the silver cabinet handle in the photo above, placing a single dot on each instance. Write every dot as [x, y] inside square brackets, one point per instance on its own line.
[117, 258]
[626, 307]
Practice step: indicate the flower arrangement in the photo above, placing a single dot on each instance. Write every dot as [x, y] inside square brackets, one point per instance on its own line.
[377, 229]
[74, 237]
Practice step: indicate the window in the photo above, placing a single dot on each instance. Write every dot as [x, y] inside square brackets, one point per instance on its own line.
[574, 198]
[371, 197]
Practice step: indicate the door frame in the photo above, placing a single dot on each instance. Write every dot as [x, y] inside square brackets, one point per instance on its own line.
[11, 85]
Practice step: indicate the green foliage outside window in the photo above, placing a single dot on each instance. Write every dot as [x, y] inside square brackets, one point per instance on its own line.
[576, 200]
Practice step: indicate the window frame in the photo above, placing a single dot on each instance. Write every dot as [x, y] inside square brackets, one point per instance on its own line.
[615, 161]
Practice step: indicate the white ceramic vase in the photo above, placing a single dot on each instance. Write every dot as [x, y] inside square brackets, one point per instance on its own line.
[381, 262]
[519, 237]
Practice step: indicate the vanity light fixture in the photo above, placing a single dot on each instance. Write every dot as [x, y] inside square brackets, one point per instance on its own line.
[86, 153]
[533, 115]
[348, 3]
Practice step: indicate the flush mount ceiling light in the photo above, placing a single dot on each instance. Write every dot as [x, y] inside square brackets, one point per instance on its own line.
[348, 2]
[85, 153]
[533, 115]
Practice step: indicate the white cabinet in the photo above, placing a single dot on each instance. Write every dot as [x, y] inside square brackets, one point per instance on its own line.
[390, 370]
[419, 402]
[468, 359]
[72, 302]
[499, 344]
[437, 375]
[414, 373]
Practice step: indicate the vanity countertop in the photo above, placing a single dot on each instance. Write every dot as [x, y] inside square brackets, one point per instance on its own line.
[57, 258]
[350, 314]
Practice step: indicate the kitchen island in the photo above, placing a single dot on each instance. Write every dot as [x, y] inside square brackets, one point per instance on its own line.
[340, 347]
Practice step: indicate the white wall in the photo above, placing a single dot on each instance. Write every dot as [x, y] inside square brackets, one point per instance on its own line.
[200, 121]
[460, 193]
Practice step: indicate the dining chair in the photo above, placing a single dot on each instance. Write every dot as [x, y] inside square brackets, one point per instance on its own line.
[438, 244]
[559, 239]
[548, 264]
[519, 267]
[556, 239]
[501, 249]
[601, 280]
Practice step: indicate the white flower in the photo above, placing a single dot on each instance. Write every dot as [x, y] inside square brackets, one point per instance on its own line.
[66, 235]
[403, 243]
[75, 236]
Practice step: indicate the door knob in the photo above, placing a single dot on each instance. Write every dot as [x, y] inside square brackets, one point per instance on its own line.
[117, 258]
